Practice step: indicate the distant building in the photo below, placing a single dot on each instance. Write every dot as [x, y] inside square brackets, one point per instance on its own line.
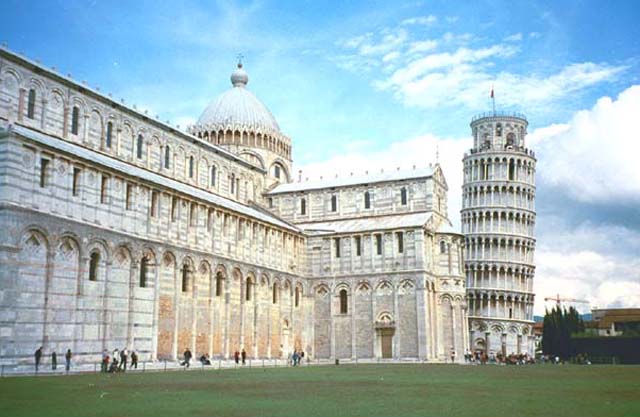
[615, 321]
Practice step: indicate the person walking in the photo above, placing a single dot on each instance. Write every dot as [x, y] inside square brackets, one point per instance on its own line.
[67, 360]
[105, 361]
[134, 359]
[244, 356]
[236, 356]
[124, 353]
[187, 358]
[54, 360]
[38, 356]
[115, 359]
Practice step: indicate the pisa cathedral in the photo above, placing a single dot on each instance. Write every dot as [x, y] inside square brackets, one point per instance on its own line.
[124, 231]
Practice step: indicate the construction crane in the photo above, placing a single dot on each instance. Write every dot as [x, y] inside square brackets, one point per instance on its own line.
[559, 300]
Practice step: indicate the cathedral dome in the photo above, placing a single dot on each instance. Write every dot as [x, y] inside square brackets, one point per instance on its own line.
[238, 109]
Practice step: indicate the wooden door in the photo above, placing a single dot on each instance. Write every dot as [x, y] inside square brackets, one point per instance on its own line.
[387, 341]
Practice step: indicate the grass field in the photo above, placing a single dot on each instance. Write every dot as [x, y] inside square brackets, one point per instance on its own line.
[364, 390]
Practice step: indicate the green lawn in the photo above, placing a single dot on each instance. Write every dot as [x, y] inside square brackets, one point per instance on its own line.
[363, 390]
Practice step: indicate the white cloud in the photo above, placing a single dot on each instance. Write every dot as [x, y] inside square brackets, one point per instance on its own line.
[421, 20]
[593, 158]
[425, 65]
[534, 35]
[390, 56]
[603, 281]
[516, 37]
[423, 46]
[462, 78]
[366, 45]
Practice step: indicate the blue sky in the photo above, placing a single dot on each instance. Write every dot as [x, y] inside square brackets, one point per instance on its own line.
[380, 84]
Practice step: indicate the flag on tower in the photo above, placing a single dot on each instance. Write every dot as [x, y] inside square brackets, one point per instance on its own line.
[493, 101]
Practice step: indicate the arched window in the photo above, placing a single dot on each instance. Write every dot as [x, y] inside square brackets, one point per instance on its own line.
[511, 138]
[443, 247]
[219, 279]
[343, 302]
[367, 199]
[144, 267]
[512, 169]
[297, 297]
[191, 167]
[248, 289]
[167, 157]
[275, 293]
[139, 147]
[109, 137]
[334, 203]
[403, 196]
[303, 206]
[94, 262]
[233, 183]
[75, 119]
[31, 104]
[185, 278]
[276, 171]
[213, 175]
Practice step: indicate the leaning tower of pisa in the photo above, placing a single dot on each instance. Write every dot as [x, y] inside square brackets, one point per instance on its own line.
[498, 218]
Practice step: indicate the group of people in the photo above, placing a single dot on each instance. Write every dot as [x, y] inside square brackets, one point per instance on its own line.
[118, 361]
[54, 359]
[240, 355]
[482, 358]
[296, 357]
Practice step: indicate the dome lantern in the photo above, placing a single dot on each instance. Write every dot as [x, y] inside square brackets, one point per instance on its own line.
[239, 77]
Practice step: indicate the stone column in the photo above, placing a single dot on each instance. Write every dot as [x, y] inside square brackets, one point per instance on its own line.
[133, 272]
[256, 311]
[156, 311]
[227, 297]
[354, 354]
[396, 336]
[194, 308]
[421, 319]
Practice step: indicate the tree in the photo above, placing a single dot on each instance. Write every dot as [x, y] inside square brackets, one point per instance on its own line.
[558, 326]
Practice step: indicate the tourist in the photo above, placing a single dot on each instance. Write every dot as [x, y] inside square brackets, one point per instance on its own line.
[295, 358]
[54, 360]
[67, 360]
[115, 356]
[123, 358]
[453, 355]
[244, 356]
[104, 366]
[38, 355]
[204, 359]
[187, 358]
[301, 356]
[134, 359]
[236, 356]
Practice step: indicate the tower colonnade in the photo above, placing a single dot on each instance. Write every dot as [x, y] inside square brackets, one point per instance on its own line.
[498, 221]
